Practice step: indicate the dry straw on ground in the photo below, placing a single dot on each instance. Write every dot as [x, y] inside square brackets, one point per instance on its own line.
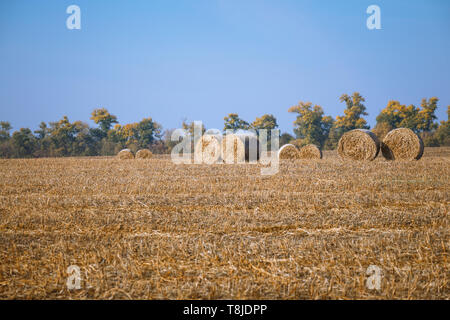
[158, 230]
[310, 151]
[402, 144]
[358, 144]
[125, 154]
[233, 149]
[144, 154]
[208, 149]
[288, 152]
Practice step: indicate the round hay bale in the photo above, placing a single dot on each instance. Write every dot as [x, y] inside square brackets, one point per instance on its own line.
[310, 151]
[125, 154]
[207, 149]
[233, 149]
[358, 144]
[144, 154]
[288, 152]
[402, 144]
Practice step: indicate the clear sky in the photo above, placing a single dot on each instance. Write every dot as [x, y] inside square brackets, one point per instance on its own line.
[203, 59]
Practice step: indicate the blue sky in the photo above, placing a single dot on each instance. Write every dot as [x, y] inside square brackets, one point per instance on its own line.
[203, 59]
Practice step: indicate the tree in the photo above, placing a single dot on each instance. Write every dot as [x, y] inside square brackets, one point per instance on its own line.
[397, 115]
[311, 126]
[333, 137]
[234, 123]
[148, 132]
[63, 135]
[104, 119]
[125, 135]
[43, 131]
[24, 142]
[285, 138]
[352, 119]
[63, 138]
[169, 144]
[84, 143]
[5, 127]
[189, 127]
[266, 121]
[443, 132]
[352, 114]
[43, 140]
[419, 120]
[426, 116]
[136, 135]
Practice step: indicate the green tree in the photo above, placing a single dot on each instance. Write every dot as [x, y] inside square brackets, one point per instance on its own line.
[84, 144]
[63, 135]
[443, 132]
[311, 126]
[426, 116]
[168, 140]
[147, 131]
[43, 140]
[24, 143]
[352, 118]
[333, 137]
[234, 123]
[104, 119]
[43, 131]
[5, 127]
[285, 138]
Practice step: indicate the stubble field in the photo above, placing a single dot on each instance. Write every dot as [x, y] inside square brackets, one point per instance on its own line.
[150, 229]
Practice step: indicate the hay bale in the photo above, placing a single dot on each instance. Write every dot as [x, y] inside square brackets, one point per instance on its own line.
[310, 151]
[208, 149]
[144, 154]
[233, 149]
[288, 152]
[125, 154]
[358, 144]
[402, 144]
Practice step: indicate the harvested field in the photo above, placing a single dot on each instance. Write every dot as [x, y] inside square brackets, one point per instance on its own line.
[154, 230]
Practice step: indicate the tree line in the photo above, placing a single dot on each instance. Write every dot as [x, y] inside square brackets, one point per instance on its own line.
[311, 125]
